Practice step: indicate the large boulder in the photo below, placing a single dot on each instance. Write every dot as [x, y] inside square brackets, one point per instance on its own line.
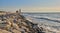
[4, 31]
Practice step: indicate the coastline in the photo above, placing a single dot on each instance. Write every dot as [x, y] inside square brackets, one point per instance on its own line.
[16, 23]
[46, 24]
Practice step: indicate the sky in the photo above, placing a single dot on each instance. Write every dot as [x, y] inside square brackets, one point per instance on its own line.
[30, 5]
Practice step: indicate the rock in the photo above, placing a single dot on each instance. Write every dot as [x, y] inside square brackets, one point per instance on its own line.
[16, 31]
[4, 31]
[17, 23]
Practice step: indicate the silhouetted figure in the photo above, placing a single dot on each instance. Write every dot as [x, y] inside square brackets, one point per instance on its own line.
[16, 11]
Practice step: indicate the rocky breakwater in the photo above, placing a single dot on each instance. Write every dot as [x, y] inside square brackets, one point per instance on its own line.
[16, 23]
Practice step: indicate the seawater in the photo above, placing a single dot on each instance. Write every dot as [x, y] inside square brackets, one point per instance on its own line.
[51, 20]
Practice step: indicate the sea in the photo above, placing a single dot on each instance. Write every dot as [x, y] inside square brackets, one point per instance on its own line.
[49, 21]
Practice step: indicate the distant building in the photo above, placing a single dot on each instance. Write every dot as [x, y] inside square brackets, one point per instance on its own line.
[19, 10]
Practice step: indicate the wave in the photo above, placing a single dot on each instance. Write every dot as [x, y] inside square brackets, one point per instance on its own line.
[50, 25]
[48, 18]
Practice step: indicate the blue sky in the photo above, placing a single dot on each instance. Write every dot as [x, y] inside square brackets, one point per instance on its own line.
[29, 4]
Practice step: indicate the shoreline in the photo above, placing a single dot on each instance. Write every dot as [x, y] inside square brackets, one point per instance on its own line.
[13, 22]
